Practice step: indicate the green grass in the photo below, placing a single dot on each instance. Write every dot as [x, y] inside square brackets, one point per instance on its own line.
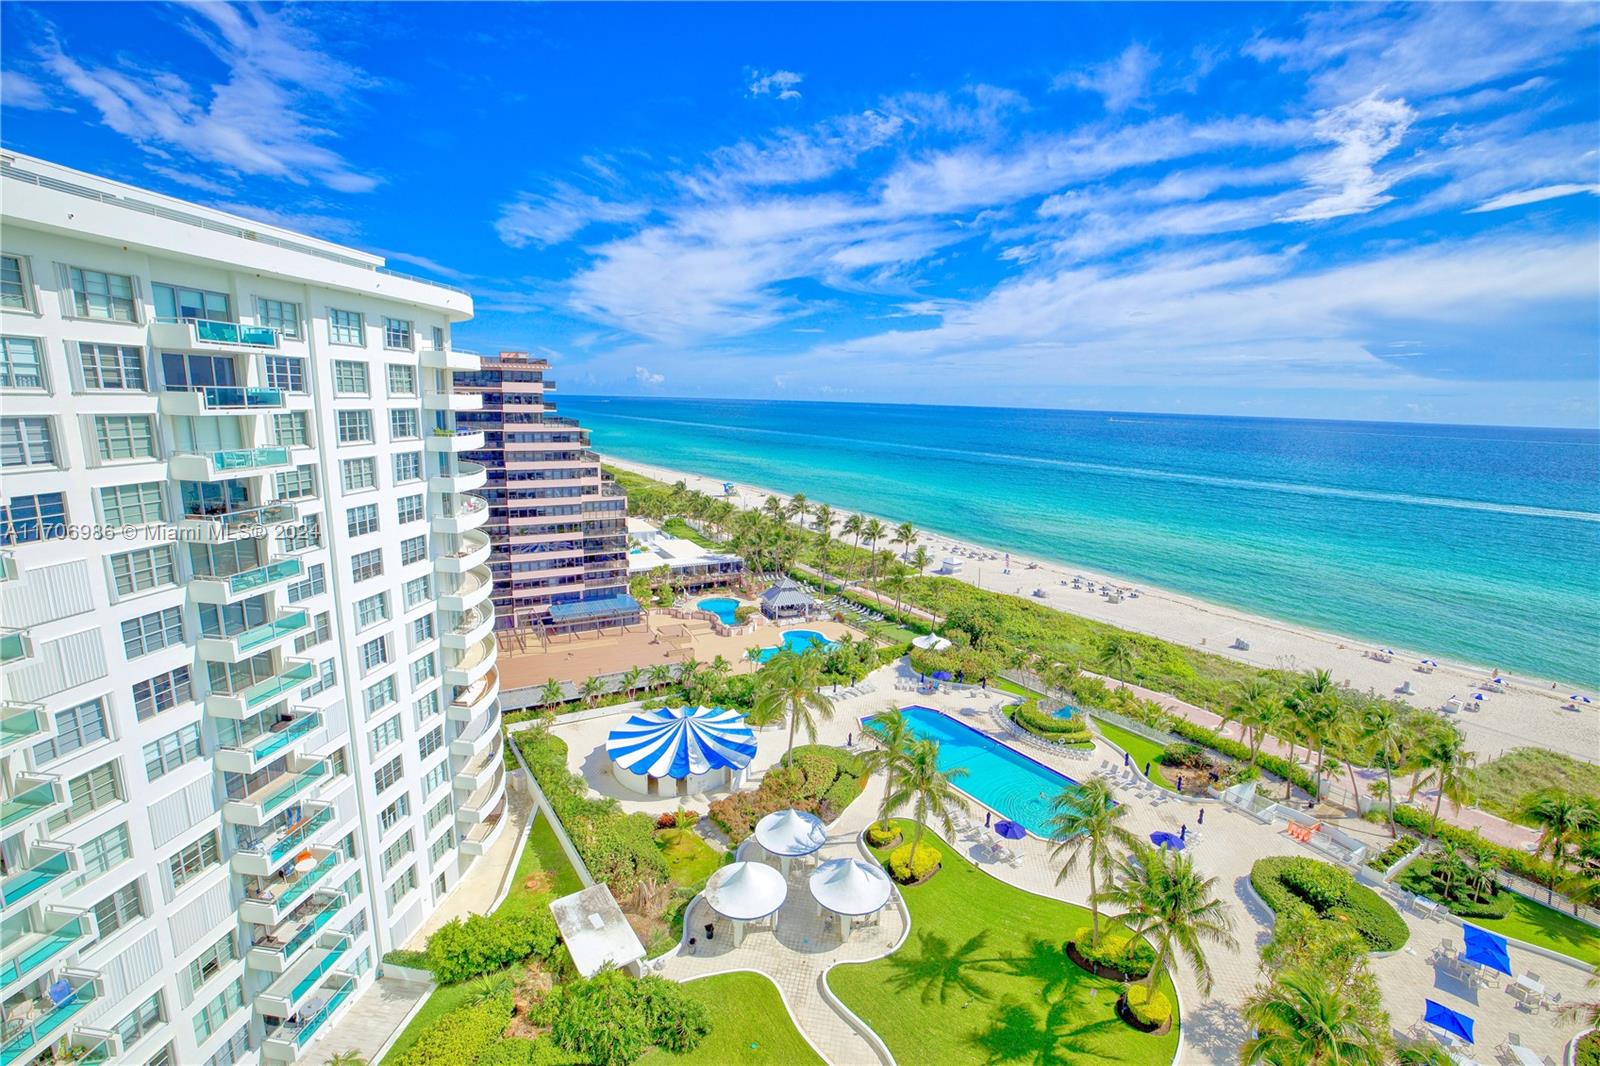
[444, 1000]
[1012, 687]
[690, 860]
[749, 1025]
[1535, 923]
[1142, 749]
[982, 978]
[677, 527]
[1504, 784]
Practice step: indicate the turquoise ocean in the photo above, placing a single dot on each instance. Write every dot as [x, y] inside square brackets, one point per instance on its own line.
[1471, 542]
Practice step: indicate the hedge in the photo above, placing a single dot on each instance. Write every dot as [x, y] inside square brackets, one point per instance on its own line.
[928, 860]
[1284, 881]
[882, 834]
[1071, 730]
[815, 778]
[1149, 1007]
[1117, 950]
[1418, 877]
[460, 1036]
[612, 1019]
[486, 943]
[520, 1051]
[1510, 859]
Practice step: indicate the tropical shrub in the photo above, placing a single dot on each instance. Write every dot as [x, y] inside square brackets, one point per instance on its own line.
[1117, 950]
[902, 870]
[1284, 882]
[1185, 756]
[1588, 1051]
[485, 943]
[1390, 855]
[817, 778]
[668, 820]
[1322, 886]
[882, 834]
[416, 960]
[520, 1051]
[677, 1022]
[1463, 894]
[1510, 859]
[1073, 730]
[611, 1019]
[460, 1036]
[1149, 1007]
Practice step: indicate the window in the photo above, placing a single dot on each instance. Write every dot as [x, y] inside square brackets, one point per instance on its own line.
[142, 1020]
[360, 474]
[124, 437]
[344, 327]
[349, 377]
[105, 852]
[174, 303]
[179, 371]
[132, 505]
[289, 430]
[26, 442]
[402, 379]
[431, 741]
[212, 961]
[397, 851]
[397, 333]
[386, 735]
[281, 315]
[446, 841]
[315, 584]
[145, 569]
[162, 693]
[321, 632]
[438, 813]
[98, 295]
[388, 774]
[426, 707]
[379, 696]
[408, 467]
[122, 907]
[402, 886]
[438, 338]
[326, 678]
[373, 654]
[214, 1015]
[436, 777]
[409, 508]
[355, 427]
[89, 792]
[76, 728]
[423, 669]
[193, 860]
[413, 550]
[165, 755]
[366, 564]
[165, 1056]
[416, 591]
[390, 816]
[421, 630]
[363, 519]
[112, 366]
[297, 484]
[20, 366]
[152, 632]
[42, 516]
[14, 288]
[234, 1051]
[404, 422]
[286, 372]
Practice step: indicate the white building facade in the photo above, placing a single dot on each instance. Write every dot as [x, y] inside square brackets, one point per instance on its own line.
[251, 720]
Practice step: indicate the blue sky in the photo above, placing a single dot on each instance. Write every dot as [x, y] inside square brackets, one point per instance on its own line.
[1345, 212]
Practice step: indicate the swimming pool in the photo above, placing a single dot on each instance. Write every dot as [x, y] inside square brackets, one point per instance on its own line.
[797, 641]
[724, 607]
[1002, 779]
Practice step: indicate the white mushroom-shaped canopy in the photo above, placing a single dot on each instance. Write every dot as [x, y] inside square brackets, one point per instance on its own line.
[746, 891]
[850, 886]
[790, 832]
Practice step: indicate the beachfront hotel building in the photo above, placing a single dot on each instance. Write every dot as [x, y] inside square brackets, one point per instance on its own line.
[558, 525]
[250, 719]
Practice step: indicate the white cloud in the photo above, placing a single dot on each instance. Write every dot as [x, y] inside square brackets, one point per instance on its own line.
[19, 90]
[1533, 196]
[779, 83]
[1345, 180]
[315, 223]
[543, 219]
[647, 377]
[1121, 82]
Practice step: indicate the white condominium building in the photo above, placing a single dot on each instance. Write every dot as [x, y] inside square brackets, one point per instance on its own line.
[251, 718]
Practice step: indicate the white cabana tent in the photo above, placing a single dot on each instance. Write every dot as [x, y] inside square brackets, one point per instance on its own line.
[695, 748]
[596, 931]
[789, 834]
[745, 892]
[851, 889]
[931, 642]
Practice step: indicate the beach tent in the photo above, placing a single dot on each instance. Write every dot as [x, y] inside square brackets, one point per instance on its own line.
[851, 889]
[745, 892]
[931, 642]
[789, 834]
[1487, 949]
[1446, 1020]
[786, 599]
[683, 743]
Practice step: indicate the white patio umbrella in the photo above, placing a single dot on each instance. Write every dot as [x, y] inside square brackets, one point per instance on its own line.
[789, 834]
[745, 892]
[931, 642]
[850, 888]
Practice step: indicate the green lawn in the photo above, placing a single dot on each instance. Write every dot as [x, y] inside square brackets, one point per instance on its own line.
[677, 527]
[749, 1025]
[1012, 687]
[1504, 784]
[690, 860]
[1140, 748]
[983, 979]
[1537, 924]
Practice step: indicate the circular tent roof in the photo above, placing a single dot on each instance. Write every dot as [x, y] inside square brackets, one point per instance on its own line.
[746, 891]
[790, 833]
[680, 741]
[850, 886]
[931, 642]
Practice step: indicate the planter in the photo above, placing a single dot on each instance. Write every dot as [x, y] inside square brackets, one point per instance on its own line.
[1127, 1016]
[1100, 969]
[921, 881]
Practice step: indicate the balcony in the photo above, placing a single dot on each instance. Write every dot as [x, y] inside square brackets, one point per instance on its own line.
[475, 698]
[467, 476]
[261, 857]
[229, 463]
[210, 335]
[481, 837]
[287, 1042]
[15, 646]
[459, 440]
[480, 734]
[459, 513]
[477, 807]
[31, 1023]
[435, 400]
[20, 722]
[274, 949]
[232, 525]
[221, 400]
[253, 641]
[224, 589]
[43, 865]
[472, 663]
[450, 359]
[240, 705]
[259, 806]
[267, 901]
[37, 937]
[471, 549]
[469, 627]
[477, 772]
[285, 736]
[32, 797]
[285, 996]
[471, 589]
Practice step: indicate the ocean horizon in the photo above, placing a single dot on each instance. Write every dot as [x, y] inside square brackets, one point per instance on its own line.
[1462, 541]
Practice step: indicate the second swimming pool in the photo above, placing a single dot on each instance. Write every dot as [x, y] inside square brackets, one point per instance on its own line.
[797, 641]
[724, 607]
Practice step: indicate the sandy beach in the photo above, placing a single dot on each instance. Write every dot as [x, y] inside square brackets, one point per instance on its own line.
[1524, 711]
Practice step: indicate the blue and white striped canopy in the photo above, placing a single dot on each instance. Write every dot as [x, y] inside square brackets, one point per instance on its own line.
[680, 741]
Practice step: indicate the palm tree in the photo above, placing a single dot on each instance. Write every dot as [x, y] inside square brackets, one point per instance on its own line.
[347, 1058]
[631, 679]
[1304, 1019]
[552, 693]
[1252, 695]
[591, 689]
[1315, 704]
[1385, 733]
[798, 508]
[928, 790]
[1564, 818]
[720, 667]
[792, 685]
[824, 519]
[896, 583]
[688, 672]
[905, 534]
[659, 675]
[774, 509]
[893, 734]
[920, 559]
[852, 527]
[1118, 654]
[1163, 897]
[872, 532]
[1084, 825]
[1445, 763]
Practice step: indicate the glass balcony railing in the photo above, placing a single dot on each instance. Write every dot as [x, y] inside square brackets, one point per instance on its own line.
[13, 646]
[310, 919]
[274, 796]
[37, 949]
[19, 721]
[215, 332]
[306, 882]
[284, 847]
[40, 873]
[285, 624]
[262, 576]
[21, 1038]
[267, 745]
[304, 985]
[27, 803]
[300, 1033]
[227, 522]
[232, 397]
[246, 458]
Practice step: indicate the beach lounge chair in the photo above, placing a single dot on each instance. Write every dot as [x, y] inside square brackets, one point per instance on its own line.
[1300, 833]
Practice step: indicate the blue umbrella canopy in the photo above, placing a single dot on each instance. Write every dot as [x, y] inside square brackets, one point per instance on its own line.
[1453, 1022]
[680, 741]
[1487, 949]
[1010, 830]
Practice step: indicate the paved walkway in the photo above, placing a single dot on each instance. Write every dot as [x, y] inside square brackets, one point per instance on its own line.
[377, 1014]
[477, 892]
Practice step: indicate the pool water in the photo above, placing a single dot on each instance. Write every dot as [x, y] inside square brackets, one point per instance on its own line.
[1002, 779]
[797, 641]
[724, 607]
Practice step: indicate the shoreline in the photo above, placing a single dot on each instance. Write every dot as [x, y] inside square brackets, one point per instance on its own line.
[1528, 713]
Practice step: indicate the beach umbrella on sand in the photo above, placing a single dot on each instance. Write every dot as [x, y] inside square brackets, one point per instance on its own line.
[1576, 698]
[1478, 696]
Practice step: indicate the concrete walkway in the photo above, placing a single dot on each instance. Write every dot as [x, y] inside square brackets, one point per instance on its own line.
[372, 1020]
[477, 892]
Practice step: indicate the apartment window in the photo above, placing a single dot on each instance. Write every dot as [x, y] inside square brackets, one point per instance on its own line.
[421, 630]
[438, 338]
[321, 631]
[397, 851]
[438, 813]
[423, 669]
[124, 437]
[404, 422]
[233, 1051]
[326, 679]
[76, 728]
[386, 735]
[413, 550]
[350, 378]
[355, 427]
[112, 366]
[431, 741]
[122, 907]
[390, 816]
[175, 303]
[132, 505]
[212, 961]
[214, 1015]
[366, 565]
[100, 295]
[373, 654]
[180, 372]
[426, 707]
[152, 632]
[397, 333]
[26, 442]
[162, 693]
[344, 327]
[446, 841]
[41, 516]
[289, 430]
[315, 583]
[297, 484]
[363, 519]
[145, 569]
[20, 365]
[141, 1021]
[402, 887]
[360, 474]
[193, 860]
[409, 508]
[14, 288]
[286, 372]
[389, 774]
[88, 793]
[379, 696]
[408, 467]
[165, 755]
[402, 379]
[281, 315]
[105, 852]
[416, 591]
[436, 777]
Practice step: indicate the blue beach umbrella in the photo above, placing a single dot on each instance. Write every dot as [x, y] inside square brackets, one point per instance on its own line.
[1478, 696]
[1010, 830]
[1164, 839]
[1487, 949]
[1453, 1022]
[941, 675]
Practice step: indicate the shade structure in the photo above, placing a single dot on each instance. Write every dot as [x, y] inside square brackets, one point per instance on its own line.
[789, 833]
[680, 741]
[850, 887]
[931, 642]
[1164, 839]
[941, 675]
[1441, 1017]
[746, 891]
[1487, 949]
[1010, 830]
